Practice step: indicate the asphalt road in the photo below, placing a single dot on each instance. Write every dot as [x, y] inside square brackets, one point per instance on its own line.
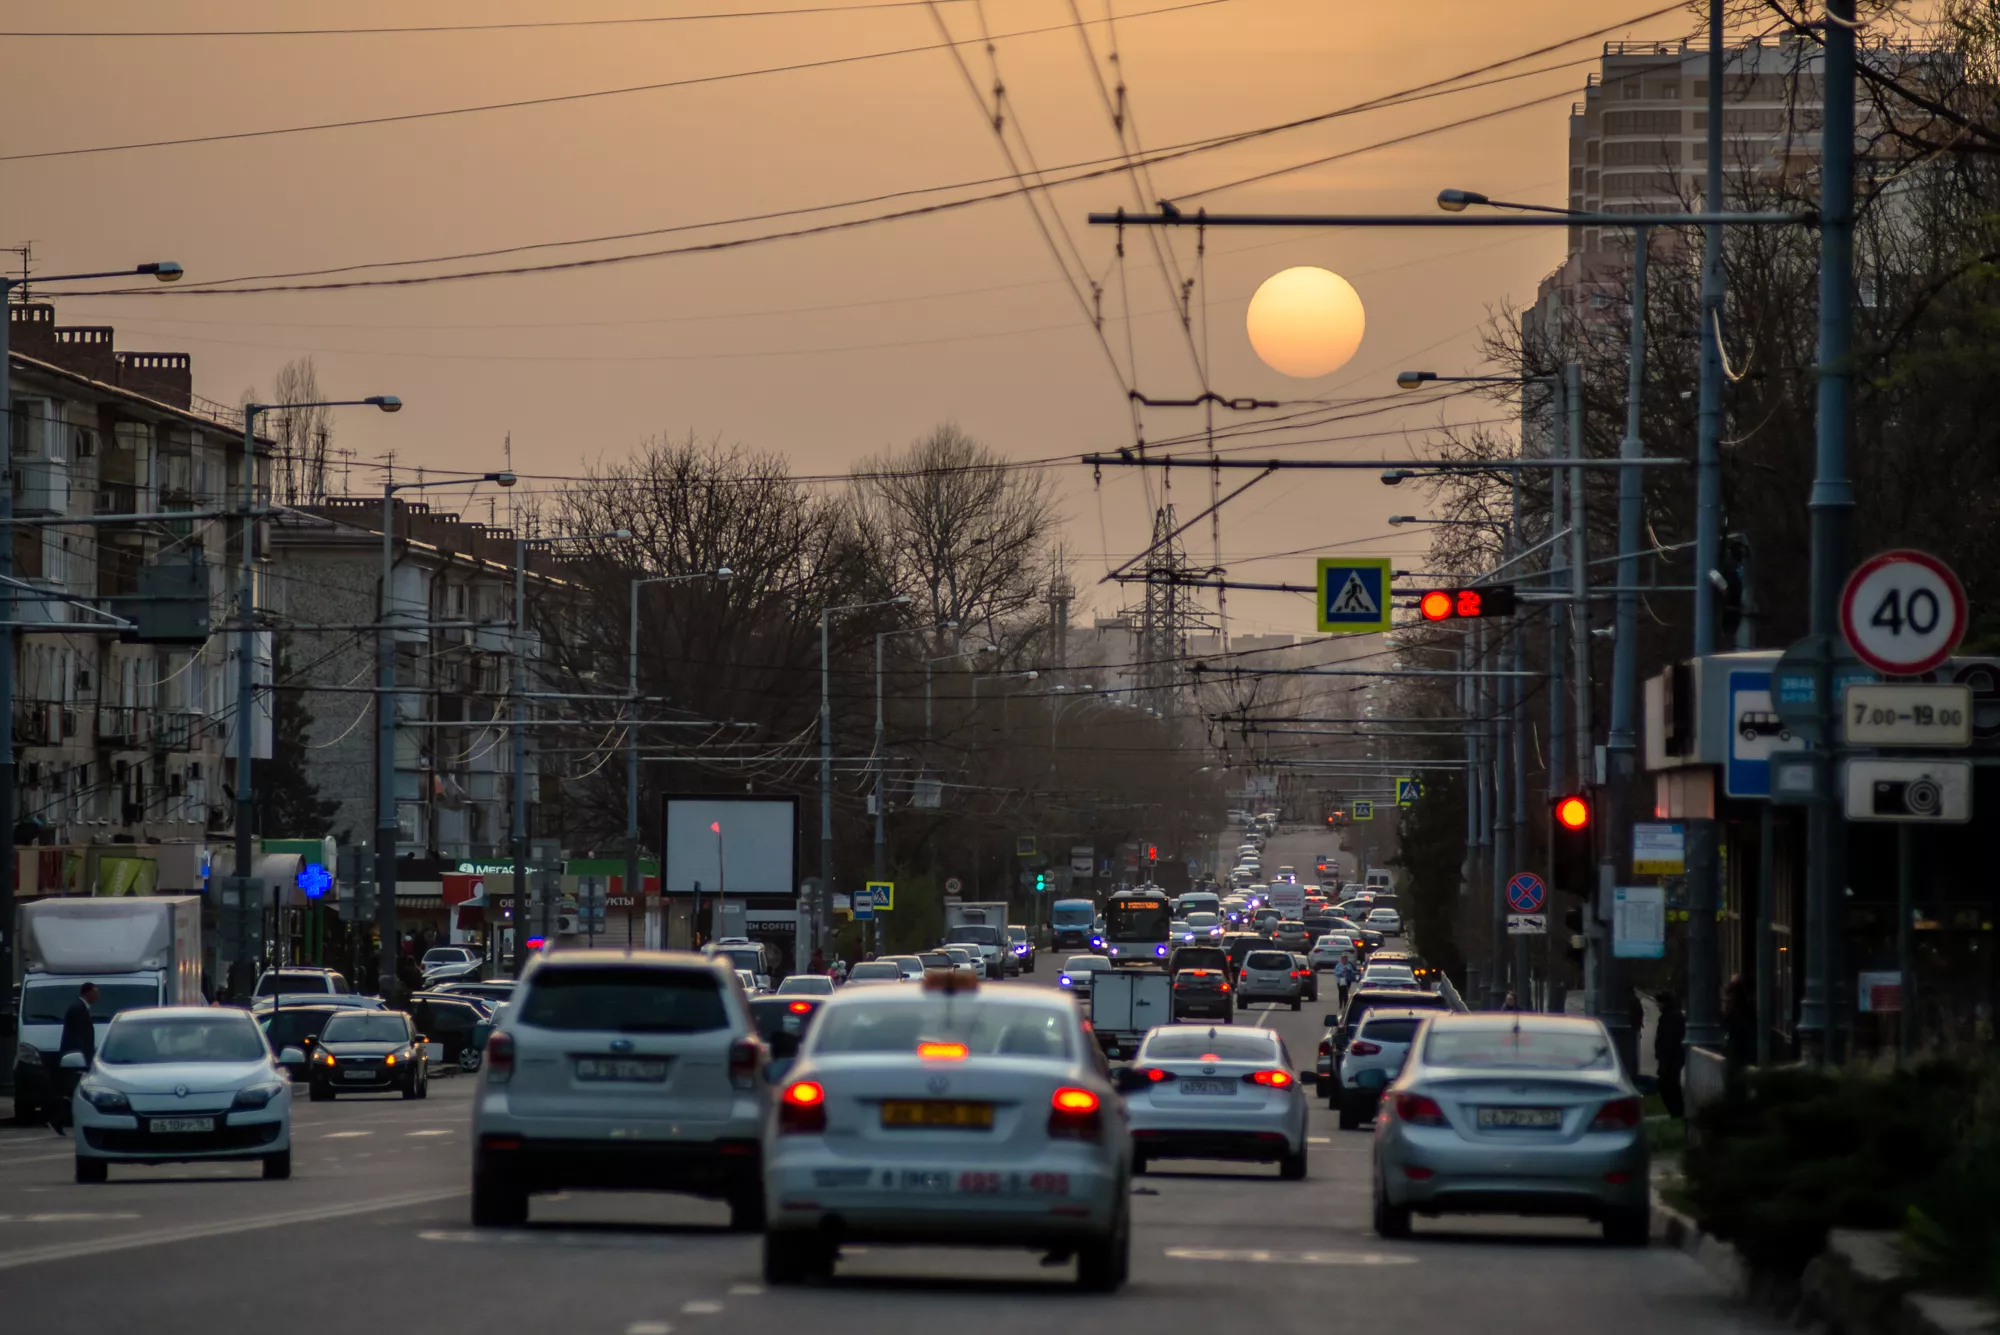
[372, 1231]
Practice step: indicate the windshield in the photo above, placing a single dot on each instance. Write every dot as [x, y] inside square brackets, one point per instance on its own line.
[986, 1028]
[365, 1027]
[292, 1026]
[1085, 963]
[1137, 919]
[1203, 919]
[148, 1040]
[745, 957]
[270, 984]
[1526, 1048]
[1168, 1044]
[1073, 913]
[1017, 934]
[871, 969]
[447, 955]
[816, 983]
[657, 1001]
[1192, 904]
[44, 1003]
[978, 934]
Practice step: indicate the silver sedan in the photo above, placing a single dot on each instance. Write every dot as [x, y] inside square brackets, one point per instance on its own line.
[1512, 1114]
[1199, 1092]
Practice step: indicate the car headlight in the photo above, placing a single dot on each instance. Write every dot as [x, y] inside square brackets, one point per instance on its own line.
[323, 1057]
[256, 1096]
[25, 1053]
[105, 1099]
[1063, 981]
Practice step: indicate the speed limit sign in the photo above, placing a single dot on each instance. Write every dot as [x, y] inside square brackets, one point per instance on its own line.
[1903, 612]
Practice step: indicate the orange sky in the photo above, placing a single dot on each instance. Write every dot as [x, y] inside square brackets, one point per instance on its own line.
[961, 316]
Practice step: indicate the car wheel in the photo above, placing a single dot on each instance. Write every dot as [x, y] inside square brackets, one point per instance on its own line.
[497, 1204]
[1292, 1168]
[318, 1093]
[468, 1059]
[746, 1210]
[1391, 1221]
[1138, 1163]
[1628, 1228]
[424, 1086]
[1296, 1003]
[92, 1170]
[278, 1167]
[1103, 1263]
[793, 1257]
[410, 1089]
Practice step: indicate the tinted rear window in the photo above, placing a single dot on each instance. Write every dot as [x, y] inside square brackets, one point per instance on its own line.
[1390, 1031]
[986, 1028]
[1168, 1046]
[1528, 1048]
[659, 1001]
[1268, 959]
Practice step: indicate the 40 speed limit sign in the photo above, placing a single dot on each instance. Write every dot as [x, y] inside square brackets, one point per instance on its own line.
[1903, 612]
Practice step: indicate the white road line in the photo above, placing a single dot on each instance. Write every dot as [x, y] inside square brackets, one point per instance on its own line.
[1319, 1140]
[701, 1307]
[650, 1328]
[428, 1133]
[222, 1228]
[71, 1217]
[745, 1290]
[346, 1135]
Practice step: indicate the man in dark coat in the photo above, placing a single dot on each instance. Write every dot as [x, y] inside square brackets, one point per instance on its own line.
[79, 1034]
[1670, 1050]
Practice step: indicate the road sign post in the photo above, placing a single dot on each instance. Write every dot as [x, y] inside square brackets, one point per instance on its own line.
[1907, 715]
[1526, 893]
[1363, 809]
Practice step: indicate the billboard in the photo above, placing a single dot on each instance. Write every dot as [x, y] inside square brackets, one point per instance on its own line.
[729, 844]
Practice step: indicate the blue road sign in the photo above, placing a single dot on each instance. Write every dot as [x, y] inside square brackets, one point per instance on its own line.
[1408, 791]
[1354, 594]
[1526, 893]
[1364, 809]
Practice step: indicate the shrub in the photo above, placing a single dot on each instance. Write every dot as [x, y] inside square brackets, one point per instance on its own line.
[1952, 1230]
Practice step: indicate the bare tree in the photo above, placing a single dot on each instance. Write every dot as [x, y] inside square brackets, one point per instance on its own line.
[302, 434]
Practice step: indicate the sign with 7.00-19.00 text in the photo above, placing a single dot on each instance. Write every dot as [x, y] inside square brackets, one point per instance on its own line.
[1354, 594]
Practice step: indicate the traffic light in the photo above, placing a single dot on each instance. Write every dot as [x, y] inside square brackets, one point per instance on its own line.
[1041, 882]
[1573, 919]
[1152, 852]
[1490, 600]
[1570, 848]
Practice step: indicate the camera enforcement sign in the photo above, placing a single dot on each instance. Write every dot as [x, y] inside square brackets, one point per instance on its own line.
[1354, 594]
[1937, 792]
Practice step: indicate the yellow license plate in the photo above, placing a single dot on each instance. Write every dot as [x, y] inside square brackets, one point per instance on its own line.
[937, 1112]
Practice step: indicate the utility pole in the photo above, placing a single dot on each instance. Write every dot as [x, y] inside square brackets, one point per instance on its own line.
[385, 762]
[1831, 510]
[518, 829]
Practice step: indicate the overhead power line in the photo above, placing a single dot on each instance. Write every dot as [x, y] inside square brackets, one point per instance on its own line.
[637, 21]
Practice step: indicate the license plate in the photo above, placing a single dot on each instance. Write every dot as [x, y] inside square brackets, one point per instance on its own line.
[1208, 1086]
[937, 1112]
[357, 1075]
[170, 1125]
[639, 1070]
[1546, 1119]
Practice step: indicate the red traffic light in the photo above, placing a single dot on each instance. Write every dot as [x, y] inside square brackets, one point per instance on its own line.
[1487, 601]
[1573, 812]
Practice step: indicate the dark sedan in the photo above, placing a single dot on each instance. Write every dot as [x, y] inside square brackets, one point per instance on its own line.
[782, 1023]
[299, 1027]
[368, 1052]
[1203, 994]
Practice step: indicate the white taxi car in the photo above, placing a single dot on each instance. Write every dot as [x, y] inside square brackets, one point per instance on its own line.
[948, 1114]
[179, 1084]
[1200, 1092]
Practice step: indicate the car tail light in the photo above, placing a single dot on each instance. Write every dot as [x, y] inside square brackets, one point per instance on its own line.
[802, 1108]
[744, 1056]
[1074, 1115]
[1617, 1115]
[1419, 1110]
[800, 1007]
[1361, 1047]
[499, 1055]
[1223, 986]
[1325, 1048]
[942, 1052]
[1243, 977]
[1158, 1076]
[1269, 1079]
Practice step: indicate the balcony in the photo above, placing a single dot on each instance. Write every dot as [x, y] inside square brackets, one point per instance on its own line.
[123, 727]
[117, 498]
[41, 723]
[179, 730]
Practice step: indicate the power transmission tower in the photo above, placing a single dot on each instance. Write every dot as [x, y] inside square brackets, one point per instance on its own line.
[1167, 617]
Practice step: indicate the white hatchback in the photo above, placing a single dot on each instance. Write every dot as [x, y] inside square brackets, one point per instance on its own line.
[1199, 1092]
[178, 1084]
[948, 1113]
[1386, 921]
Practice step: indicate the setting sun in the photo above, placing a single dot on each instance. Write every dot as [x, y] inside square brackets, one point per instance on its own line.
[1306, 322]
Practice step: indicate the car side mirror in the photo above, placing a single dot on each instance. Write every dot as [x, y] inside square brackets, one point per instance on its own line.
[1331, 1021]
[1308, 1077]
[74, 1061]
[291, 1057]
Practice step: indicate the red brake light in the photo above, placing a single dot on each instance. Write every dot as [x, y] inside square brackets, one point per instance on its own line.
[499, 1055]
[1419, 1110]
[1325, 1048]
[801, 1007]
[942, 1052]
[1074, 1100]
[1617, 1115]
[802, 1108]
[745, 1055]
[1224, 986]
[1074, 1115]
[1156, 1075]
[1269, 1079]
[1361, 1047]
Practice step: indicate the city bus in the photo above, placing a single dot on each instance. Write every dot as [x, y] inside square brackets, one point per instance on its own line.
[1137, 925]
[1073, 925]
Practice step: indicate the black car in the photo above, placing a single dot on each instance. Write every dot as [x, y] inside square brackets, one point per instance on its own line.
[1240, 944]
[1197, 957]
[1203, 994]
[448, 1019]
[782, 1023]
[299, 1027]
[367, 1052]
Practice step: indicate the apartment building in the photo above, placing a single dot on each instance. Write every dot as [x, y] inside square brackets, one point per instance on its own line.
[124, 748]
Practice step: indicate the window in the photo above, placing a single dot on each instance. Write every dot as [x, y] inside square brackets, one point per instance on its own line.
[1267, 959]
[986, 1028]
[662, 1001]
[1524, 1047]
[366, 1027]
[1390, 1030]
[1180, 1044]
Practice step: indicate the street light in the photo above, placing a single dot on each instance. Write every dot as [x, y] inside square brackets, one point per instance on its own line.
[1397, 521]
[632, 731]
[385, 720]
[167, 272]
[826, 615]
[1457, 201]
[246, 624]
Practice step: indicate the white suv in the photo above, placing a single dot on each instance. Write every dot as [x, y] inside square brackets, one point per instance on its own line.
[640, 1071]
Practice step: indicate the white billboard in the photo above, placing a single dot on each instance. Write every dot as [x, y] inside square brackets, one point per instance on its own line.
[730, 846]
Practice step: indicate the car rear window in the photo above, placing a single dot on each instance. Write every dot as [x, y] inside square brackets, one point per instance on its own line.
[1267, 959]
[1390, 1031]
[1523, 1048]
[1199, 959]
[873, 969]
[656, 1001]
[986, 1028]
[1167, 1045]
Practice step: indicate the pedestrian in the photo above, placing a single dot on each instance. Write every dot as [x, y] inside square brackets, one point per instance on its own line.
[1510, 1003]
[1343, 976]
[1670, 1053]
[1739, 1023]
[79, 1034]
[817, 964]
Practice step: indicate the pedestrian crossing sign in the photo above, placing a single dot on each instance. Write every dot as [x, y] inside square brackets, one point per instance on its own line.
[1408, 791]
[1354, 597]
[1364, 809]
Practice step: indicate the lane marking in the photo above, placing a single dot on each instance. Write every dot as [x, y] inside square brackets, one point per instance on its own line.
[701, 1307]
[71, 1217]
[222, 1228]
[1259, 1256]
[1319, 1140]
[650, 1328]
[745, 1290]
[440, 1132]
[345, 1135]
